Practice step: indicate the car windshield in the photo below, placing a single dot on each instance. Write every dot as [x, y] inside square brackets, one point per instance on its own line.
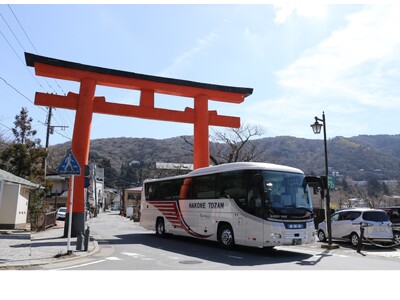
[376, 216]
[62, 209]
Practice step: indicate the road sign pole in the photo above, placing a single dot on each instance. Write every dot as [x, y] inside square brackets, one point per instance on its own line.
[71, 200]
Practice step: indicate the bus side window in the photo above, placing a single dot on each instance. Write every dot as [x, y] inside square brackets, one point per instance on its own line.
[204, 187]
[185, 189]
[150, 189]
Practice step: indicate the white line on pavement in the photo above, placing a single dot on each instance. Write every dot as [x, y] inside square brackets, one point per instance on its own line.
[82, 265]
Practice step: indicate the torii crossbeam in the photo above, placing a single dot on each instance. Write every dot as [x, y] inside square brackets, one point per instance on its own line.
[86, 103]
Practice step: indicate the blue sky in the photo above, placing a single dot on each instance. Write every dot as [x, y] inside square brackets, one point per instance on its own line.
[300, 61]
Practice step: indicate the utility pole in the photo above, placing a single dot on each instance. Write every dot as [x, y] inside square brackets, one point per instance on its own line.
[48, 122]
[50, 130]
[95, 191]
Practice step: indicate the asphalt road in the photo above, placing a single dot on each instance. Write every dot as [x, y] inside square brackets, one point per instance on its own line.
[124, 245]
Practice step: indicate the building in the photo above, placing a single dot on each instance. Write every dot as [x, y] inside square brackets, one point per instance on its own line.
[59, 191]
[132, 198]
[14, 200]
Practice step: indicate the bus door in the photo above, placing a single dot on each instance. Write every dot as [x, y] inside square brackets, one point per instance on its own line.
[255, 223]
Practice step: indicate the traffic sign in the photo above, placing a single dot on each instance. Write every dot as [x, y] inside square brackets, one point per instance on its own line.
[69, 165]
[331, 182]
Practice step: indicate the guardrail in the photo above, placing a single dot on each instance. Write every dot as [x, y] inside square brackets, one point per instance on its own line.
[42, 220]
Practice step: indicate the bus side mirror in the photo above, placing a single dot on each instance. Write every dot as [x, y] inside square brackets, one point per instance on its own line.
[317, 183]
[322, 192]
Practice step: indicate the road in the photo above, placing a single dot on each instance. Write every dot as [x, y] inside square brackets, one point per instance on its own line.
[124, 245]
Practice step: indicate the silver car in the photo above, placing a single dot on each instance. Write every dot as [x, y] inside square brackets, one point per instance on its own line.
[346, 226]
[61, 213]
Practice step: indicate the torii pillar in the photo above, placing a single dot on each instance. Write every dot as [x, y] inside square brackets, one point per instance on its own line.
[86, 103]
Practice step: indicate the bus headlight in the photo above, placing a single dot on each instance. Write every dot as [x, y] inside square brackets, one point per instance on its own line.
[276, 235]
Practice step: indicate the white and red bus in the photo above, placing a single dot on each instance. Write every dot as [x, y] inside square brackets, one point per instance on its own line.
[251, 204]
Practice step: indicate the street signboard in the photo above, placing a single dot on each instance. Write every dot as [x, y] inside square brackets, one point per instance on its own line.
[69, 165]
[331, 182]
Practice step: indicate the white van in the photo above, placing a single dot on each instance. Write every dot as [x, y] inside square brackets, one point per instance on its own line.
[346, 226]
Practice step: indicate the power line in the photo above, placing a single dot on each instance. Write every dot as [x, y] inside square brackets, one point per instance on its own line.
[15, 52]
[5, 126]
[19, 42]
[68, 138]
[21, 93]
[12, 31]
[64, 118]
[49, 127]
[22, 27]
[30, 41]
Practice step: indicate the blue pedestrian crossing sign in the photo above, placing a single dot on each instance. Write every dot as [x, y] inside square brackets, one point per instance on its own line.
[69, 165]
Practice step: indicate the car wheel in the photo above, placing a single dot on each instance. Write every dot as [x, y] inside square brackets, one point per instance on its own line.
[225, 236]
[396, 235]
[354, 239]
[160, 227]
[321, 236]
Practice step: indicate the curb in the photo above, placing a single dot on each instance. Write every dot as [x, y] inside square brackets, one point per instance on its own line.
[52, 260]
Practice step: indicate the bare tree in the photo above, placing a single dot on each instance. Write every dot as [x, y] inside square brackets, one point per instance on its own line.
[235, 144]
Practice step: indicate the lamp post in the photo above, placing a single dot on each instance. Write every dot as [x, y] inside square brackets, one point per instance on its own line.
[316, 127]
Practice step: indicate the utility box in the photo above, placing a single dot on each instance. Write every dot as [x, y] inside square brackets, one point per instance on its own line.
[129, 211]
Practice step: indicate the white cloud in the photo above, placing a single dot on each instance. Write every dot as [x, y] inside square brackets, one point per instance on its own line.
[358, 63]
[184, 60]
[307, 10]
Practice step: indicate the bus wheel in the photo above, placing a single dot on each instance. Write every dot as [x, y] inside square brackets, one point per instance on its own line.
[225, 236]
[396, 235]
[160, 228]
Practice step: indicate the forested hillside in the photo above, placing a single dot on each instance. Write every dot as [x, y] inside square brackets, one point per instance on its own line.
[358, 157]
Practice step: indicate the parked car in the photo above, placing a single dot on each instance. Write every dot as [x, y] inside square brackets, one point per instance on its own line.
[114, 207]
[393, 213]
[345, 226]
[61, 213]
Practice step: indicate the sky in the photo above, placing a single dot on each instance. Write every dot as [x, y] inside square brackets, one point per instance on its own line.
[300, 61]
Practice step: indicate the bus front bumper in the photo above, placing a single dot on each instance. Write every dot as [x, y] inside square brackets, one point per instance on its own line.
[290, 238]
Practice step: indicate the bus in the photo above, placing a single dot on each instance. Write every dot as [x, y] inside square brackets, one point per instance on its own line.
[245, 203]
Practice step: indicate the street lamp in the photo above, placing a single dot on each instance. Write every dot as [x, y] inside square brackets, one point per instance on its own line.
[316, 127]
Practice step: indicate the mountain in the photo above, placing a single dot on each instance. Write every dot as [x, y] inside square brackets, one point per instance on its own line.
[357, 157]
[126, 150]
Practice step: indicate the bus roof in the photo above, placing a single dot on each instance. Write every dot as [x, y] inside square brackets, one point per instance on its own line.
[243, 166]
[234, 167]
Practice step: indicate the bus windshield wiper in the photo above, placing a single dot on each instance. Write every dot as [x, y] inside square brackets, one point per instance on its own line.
[306, 208]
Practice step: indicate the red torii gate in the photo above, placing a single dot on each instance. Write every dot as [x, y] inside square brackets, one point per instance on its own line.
[86, 103]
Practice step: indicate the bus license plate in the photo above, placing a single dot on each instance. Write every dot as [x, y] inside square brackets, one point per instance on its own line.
[296, 242]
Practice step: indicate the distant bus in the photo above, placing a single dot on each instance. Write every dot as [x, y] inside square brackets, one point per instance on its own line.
[251, 204]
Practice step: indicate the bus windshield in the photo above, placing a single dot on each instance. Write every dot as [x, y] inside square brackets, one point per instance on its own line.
[286, 195]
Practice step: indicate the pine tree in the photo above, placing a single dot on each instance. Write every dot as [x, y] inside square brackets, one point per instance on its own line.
[23, 157]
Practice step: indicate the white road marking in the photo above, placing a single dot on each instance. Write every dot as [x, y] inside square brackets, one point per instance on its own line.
[83, 265]
[113, 258]
[131, 254]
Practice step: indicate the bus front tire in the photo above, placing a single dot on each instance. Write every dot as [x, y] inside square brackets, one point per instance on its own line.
[225, 236]
[160, 227]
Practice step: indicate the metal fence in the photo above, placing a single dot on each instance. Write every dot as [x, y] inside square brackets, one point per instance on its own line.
[42, 220]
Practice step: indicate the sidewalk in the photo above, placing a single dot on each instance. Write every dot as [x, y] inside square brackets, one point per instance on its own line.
[21, 249]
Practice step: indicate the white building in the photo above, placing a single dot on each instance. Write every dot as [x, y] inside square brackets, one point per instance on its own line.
[14, 199]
